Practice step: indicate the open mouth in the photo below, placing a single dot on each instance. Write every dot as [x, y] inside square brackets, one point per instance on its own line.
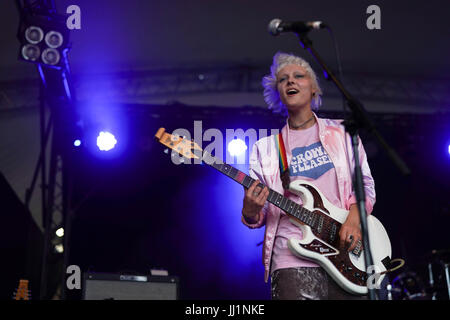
[291, 92]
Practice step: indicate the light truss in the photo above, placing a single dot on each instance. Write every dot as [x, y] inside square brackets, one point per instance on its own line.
[137, 86]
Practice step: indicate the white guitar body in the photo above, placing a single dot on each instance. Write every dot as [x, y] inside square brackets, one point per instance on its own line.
[326, 255]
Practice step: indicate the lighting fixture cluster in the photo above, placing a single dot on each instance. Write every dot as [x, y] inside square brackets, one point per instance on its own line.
[43, 40]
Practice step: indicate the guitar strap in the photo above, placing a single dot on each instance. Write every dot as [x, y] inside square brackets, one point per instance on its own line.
[282, 160]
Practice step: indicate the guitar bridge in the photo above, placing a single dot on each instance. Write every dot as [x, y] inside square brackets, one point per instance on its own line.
[333, 232]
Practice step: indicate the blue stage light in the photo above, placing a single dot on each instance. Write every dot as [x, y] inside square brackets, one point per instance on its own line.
[77, 143]
[106, 141]
[236, 147]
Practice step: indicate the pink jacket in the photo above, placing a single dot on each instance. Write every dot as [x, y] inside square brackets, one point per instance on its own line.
[265, 167]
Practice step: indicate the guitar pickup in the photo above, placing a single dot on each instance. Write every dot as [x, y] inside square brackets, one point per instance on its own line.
[320, 224]
[333, 232]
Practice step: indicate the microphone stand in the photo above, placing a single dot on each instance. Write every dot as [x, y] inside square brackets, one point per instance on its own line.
[357, 120]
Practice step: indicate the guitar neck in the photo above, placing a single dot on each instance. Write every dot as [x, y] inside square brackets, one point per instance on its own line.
[275, 198]
[190, 149]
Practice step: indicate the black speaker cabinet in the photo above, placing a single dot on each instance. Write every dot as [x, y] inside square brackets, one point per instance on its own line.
[107, 286]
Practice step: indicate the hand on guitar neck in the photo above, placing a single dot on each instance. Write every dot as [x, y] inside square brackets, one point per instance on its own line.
[254, 200]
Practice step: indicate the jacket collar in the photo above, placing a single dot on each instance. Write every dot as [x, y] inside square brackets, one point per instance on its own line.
[285, 131]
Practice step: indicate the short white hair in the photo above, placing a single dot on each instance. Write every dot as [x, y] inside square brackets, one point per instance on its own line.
[269, 82]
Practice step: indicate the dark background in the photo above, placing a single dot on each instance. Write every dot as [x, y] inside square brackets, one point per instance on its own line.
[135, 210]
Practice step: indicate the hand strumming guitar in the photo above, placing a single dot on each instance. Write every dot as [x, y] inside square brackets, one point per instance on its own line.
[350, 232]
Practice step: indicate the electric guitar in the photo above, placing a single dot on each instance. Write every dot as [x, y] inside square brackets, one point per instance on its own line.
[319, 220]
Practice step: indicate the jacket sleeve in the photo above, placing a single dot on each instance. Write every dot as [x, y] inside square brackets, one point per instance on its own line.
[369, 183]
[256, 172]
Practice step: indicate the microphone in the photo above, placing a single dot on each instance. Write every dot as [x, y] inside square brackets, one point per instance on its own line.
[276, 26]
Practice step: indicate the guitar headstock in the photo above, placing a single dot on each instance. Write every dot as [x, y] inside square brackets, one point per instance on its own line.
[22, 292]
[186, 148]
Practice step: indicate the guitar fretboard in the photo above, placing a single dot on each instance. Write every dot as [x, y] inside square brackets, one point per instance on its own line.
[304, 215]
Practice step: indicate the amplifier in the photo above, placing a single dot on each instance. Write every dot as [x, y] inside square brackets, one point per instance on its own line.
[109, 286]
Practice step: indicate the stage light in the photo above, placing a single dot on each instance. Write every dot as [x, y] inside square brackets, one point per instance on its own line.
[54, 39]
[77, 143]
[106, 141]
[50, 56]
[43, 39]
[60, 232]
[34, 34]
[449, 149]
[59, 248]
[236, 147]
[31, 52]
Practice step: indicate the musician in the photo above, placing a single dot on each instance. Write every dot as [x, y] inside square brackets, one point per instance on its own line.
[316, 151]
